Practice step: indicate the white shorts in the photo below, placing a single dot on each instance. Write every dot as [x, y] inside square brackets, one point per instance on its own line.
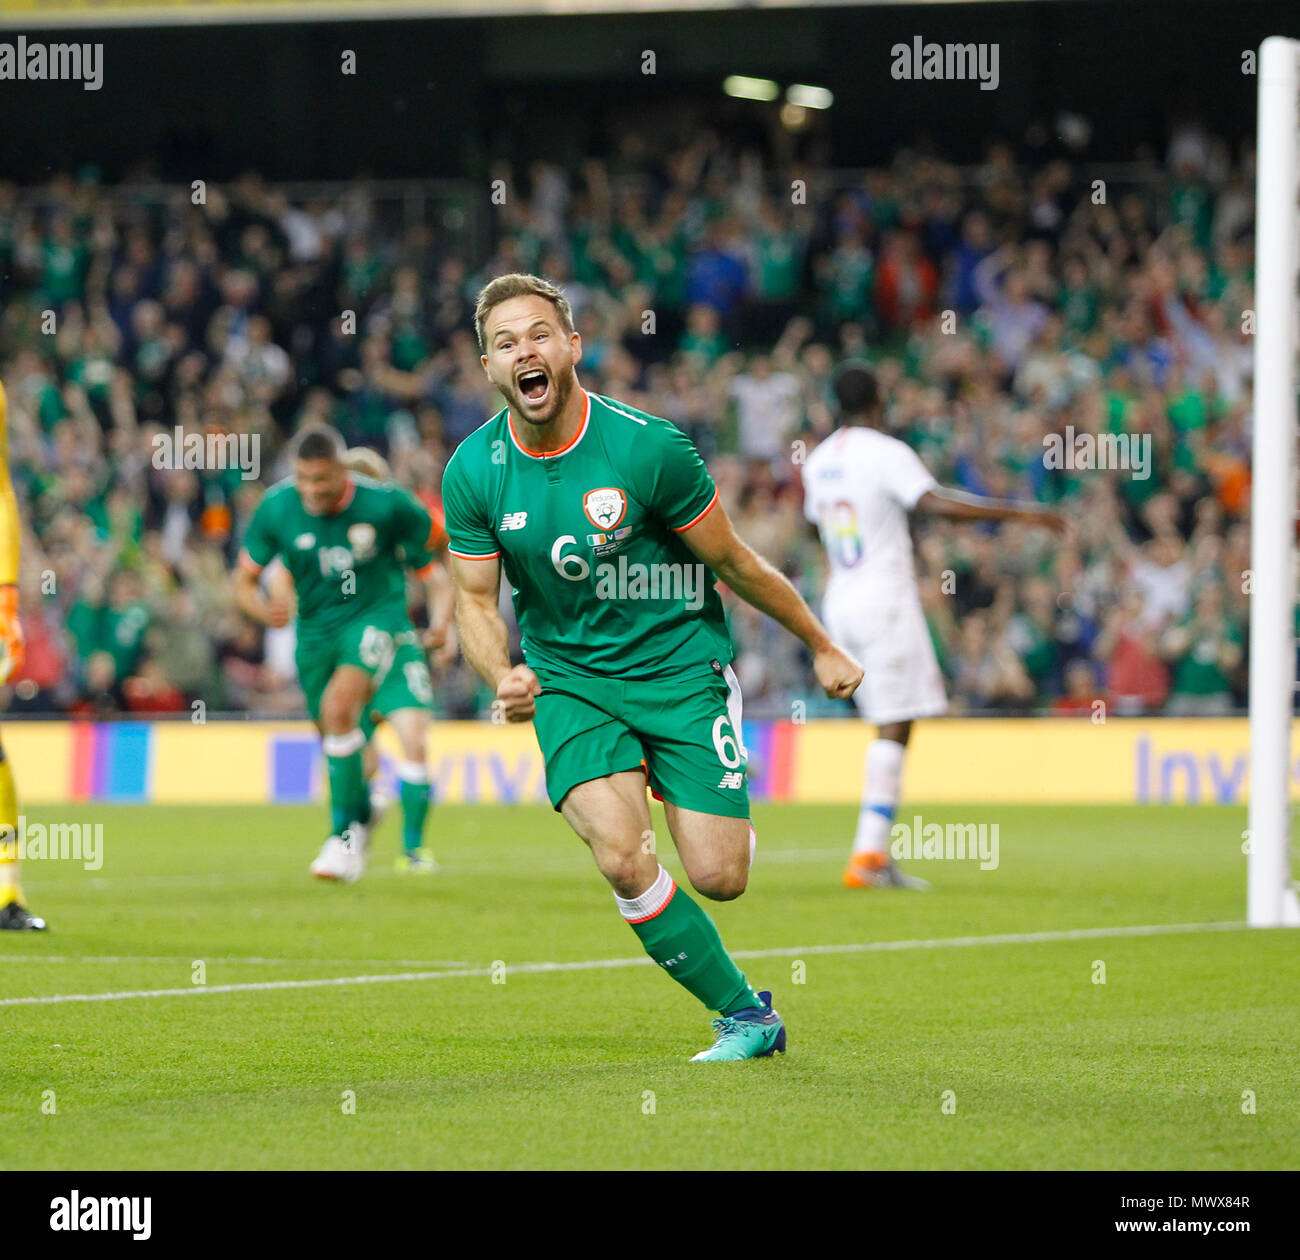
[887, 634]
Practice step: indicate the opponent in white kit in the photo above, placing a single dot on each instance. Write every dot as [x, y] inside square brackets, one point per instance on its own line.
[860, 485]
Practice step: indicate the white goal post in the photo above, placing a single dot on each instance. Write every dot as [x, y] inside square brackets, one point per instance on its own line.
[1271, 899]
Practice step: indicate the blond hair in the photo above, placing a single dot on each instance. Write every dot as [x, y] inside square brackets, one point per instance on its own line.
[518, 284]
[367, 462]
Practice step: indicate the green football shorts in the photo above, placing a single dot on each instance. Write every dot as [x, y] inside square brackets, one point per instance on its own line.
[685, 730]
[386, 646]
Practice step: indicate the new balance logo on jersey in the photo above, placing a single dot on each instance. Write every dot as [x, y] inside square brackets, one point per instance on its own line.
[514, 520]
[732, 779]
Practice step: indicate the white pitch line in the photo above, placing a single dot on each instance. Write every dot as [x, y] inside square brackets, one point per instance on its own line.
[573, 862]
[1006, 938]
[600, 964]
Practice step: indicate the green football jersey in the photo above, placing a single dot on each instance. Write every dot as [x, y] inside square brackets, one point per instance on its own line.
[350, 562]
[588, 537]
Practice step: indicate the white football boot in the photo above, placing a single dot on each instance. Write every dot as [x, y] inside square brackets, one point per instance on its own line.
[343, 858]
[332, 861]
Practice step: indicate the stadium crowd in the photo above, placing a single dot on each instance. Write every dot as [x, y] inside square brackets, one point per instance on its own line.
[1001, 305]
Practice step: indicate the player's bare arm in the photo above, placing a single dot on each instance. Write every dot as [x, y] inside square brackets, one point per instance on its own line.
[275, 609]
[440, 596]
[717, 544]
[485, 639]
[958, 505]
[280, 590]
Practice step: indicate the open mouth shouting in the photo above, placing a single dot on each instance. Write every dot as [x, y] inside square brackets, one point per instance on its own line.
[534, 386]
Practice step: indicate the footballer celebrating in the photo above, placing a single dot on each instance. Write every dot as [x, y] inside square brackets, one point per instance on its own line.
[860, 485]
[346, 541]
[609, 531]
[413, 789]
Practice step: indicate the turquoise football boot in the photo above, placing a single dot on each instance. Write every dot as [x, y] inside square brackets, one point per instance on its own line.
[754, 1033]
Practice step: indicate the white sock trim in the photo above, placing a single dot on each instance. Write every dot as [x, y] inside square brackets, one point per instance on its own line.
[343, 745]
[412, 771]
[650, 902]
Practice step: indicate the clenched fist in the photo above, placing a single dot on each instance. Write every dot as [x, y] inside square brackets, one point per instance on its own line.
[838, 673]
[515, 694]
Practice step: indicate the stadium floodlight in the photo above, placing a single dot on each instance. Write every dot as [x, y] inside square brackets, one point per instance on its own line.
[1271, 896]
[749, 89]
[809, 97]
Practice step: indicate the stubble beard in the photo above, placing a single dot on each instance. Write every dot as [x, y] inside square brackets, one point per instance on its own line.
[563, 387]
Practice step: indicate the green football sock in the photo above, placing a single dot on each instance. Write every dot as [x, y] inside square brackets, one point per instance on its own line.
[349, 800]
[414, 780]
[681, 938]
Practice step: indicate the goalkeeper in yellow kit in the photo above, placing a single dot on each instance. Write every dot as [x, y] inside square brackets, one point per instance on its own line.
[14, 915]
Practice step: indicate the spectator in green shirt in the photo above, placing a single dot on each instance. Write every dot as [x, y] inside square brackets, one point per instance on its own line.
[126, 621]
[63, 265]
[1205, 652]
[703, 339]
[1078, 299]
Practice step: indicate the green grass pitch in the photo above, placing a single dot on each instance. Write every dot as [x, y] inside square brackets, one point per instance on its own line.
[963, 1056]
